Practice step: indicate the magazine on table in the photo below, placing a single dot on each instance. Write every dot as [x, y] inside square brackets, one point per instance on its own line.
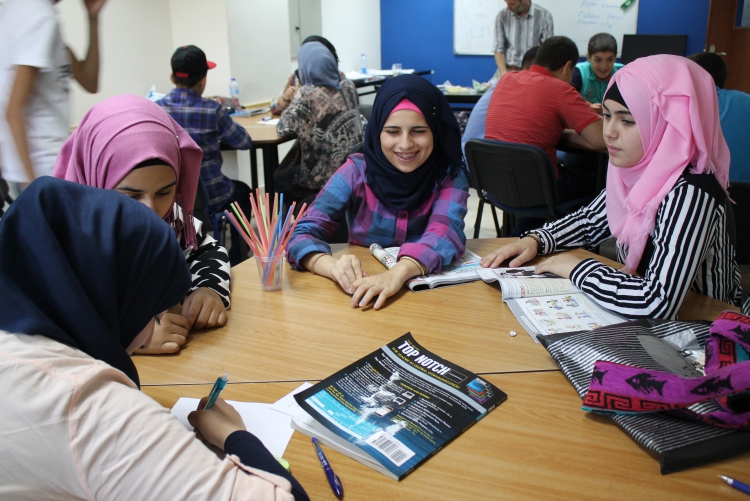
[547, 304]
[460, 271]
[396, 407]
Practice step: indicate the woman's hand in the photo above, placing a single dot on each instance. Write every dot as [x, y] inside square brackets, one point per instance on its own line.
[217, 423]
[560, 264]
[524, 250]
[170, 333]
[383, 285]
[344, 270]
[204, 308]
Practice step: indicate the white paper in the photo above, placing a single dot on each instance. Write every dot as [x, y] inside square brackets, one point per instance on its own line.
[273, 430]
[273, 121]
[288, 405]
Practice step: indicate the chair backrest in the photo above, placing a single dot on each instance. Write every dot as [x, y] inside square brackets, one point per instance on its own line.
[740, 193]
[518, 178]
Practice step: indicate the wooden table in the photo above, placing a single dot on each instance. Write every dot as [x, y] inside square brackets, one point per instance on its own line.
[265, 138]
[538, 444]
[270, 335]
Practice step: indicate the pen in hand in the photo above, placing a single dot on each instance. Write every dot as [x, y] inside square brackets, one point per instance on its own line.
[333, 479]
[216, 391]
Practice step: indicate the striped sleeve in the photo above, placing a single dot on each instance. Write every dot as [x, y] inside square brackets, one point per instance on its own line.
[686, 226]
[210, 268]
[587, 227]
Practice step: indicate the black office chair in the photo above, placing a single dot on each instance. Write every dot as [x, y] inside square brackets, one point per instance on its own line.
[516, 178]
[740, 193]
[4, 195]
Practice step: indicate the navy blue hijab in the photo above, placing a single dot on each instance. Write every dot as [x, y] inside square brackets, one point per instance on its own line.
[407, 191]
[86, 267]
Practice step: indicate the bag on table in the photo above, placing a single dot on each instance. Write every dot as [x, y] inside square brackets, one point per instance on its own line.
[648, 376]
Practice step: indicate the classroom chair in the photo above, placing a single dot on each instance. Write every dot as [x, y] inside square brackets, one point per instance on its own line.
[516, 178]
[740, 194]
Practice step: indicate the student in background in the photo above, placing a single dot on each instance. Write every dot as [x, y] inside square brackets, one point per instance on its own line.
[85, 431]
[590, 78]
[665, 199]
[35, 70]
[734, 113]
[408, 189]
[324, 116]
[209, 125]
[475, 124]
[293, 83]
[535, 107]
[129, 144]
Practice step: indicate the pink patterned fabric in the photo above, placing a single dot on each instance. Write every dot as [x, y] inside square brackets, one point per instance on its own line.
[674, 104]
[123, 131]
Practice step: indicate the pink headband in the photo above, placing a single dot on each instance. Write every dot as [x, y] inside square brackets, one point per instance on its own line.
[405, 104]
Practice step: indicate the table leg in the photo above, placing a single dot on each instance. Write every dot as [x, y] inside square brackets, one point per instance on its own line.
[270, 163]
[253, 168]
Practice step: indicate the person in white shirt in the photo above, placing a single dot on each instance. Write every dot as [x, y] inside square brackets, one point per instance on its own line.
[35, 68]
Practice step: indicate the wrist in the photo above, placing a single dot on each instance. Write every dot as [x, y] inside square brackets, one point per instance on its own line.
[537, 239]
[406, 269]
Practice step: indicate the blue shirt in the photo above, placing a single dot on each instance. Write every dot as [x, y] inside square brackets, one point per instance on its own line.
[586, 82]
[209, 125]
[734, 114]
[475, 126]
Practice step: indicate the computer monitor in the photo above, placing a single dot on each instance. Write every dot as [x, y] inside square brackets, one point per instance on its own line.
[635, 46]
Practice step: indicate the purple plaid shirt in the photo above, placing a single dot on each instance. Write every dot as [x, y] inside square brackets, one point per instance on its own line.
[433, 233]
[208, 124]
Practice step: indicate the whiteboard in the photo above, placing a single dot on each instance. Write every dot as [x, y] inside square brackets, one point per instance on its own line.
[474, 22]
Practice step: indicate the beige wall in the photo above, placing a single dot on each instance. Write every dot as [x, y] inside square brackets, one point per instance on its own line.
[353, 27]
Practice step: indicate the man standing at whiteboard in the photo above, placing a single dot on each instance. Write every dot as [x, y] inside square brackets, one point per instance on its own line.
[519, 27]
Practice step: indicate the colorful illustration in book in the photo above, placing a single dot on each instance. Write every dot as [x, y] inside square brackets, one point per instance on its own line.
[554, 304]
[582, 314]
[553, 330]
[593, 325]
[547, 323]
[479, 390]
[570, 301]
[533, 302]
[540, 312]
[561, 315]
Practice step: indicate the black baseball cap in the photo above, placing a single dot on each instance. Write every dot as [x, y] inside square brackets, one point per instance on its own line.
[189, 61]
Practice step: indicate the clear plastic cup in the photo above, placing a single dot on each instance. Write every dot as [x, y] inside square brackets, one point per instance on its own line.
[396, 68]
[270, 270]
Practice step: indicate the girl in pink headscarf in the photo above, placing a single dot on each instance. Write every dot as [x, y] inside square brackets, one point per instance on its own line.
[129, 144]
[665, 200]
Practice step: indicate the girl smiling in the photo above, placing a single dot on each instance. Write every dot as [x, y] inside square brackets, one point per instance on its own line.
[665, 200]
[408, 189]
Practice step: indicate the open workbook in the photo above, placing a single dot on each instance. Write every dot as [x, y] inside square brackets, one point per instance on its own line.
[547, 304]
[461, 271]
[396, 407]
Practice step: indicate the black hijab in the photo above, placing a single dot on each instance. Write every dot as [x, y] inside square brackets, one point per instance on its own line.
[86, 267]
[408, 191]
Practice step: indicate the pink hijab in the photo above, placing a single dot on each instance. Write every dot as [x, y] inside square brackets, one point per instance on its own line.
[674, 105]
[123, 131]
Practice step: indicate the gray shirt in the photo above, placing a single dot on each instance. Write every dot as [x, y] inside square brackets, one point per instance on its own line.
[514, 35]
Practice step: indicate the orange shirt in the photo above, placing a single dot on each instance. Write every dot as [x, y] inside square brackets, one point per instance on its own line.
[533, 107]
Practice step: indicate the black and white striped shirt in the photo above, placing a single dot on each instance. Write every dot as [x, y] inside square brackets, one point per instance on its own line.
[689, 248]
[514, 35]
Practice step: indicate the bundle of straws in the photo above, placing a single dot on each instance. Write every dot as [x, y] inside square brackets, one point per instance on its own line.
[274, 230]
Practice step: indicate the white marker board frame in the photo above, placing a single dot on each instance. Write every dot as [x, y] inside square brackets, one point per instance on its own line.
[474, 22]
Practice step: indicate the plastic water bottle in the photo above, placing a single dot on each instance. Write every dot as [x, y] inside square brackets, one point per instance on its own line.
[234, 93]
[363, 65]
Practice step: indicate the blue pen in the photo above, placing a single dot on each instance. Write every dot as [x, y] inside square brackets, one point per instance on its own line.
[740, 486]
[333, 479]
[216, 390]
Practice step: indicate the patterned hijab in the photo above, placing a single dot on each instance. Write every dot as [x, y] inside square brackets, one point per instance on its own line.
[401, 190]
[674, 104]
[121, 132]
[88, 268]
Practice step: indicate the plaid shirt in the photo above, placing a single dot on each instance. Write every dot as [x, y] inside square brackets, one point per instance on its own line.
[433, 233]
[208, 124]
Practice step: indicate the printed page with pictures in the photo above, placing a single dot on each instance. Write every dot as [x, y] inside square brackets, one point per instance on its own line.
[461, 271]
[395, 407]
[556, 313]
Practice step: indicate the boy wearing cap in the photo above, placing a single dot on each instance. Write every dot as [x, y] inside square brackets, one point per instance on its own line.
[209, 125]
